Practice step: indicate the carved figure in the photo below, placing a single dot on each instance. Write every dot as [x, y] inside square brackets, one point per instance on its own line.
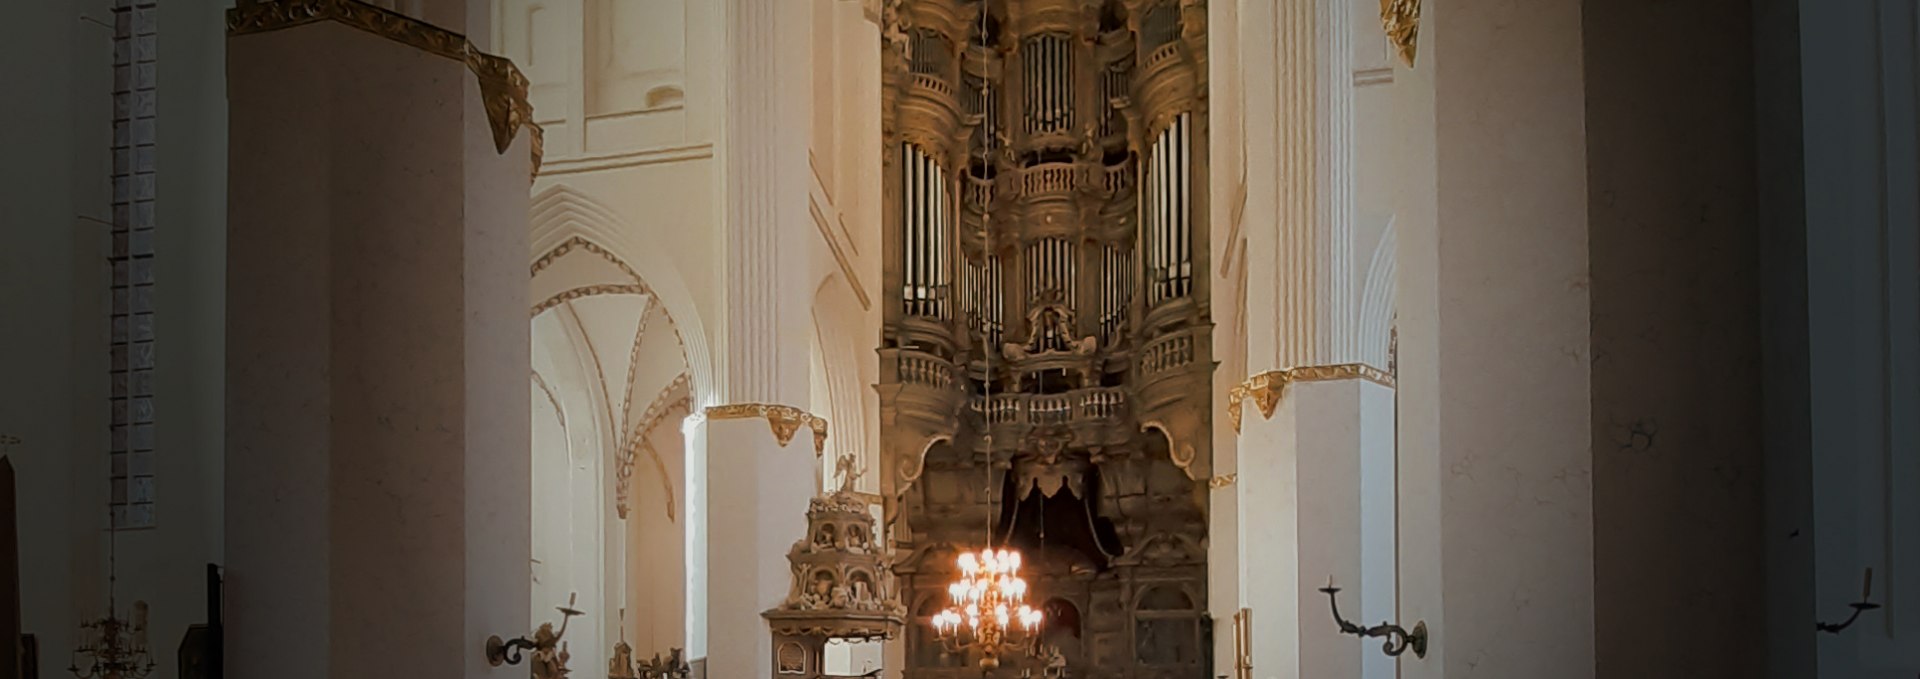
[849, 469]
[620, 666]
[549, 653]
[670, 667]
[1056, 667]
[840, 597]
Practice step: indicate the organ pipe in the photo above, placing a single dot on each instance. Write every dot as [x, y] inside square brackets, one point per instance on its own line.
[981, 287]
[1048, 67]
[1169, 214]
[1116, 292]
[927, 235]
[1160, 25]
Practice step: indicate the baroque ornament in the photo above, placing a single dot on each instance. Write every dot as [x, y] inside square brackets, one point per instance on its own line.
[1265, 388]
[1401, 19]
[503, 88]
[785, 421]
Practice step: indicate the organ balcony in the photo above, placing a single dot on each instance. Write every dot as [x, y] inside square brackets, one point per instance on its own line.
[1096, 415]
[1167, 79]
[1048, 193]
[929, 110]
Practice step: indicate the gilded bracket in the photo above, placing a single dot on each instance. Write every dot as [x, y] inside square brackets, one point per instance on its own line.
[1265, 388]
[503, 88]
[1401, 19]
[784, 420]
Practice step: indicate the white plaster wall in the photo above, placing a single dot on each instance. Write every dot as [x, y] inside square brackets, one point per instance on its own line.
[642, 161]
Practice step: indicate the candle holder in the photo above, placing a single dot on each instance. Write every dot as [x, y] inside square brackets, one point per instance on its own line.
[549, 657]
[1861, 606]
[1399, 639]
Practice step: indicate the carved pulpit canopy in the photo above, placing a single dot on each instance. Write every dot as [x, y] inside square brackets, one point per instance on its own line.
[842, 578]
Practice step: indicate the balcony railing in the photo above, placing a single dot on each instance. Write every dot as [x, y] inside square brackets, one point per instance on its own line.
[1167, 353]
[1084, 405]
[925, 371]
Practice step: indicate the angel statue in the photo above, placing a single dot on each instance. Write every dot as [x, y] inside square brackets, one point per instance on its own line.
[848, 467]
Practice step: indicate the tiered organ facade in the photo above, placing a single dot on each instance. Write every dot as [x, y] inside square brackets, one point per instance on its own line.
[1046, 365]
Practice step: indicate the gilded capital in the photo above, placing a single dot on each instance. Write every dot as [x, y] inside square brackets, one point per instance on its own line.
[503, 88]
[784, 420]
[1401, 20]
[1266, 388]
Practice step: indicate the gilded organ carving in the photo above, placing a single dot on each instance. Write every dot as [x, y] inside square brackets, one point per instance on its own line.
[1046, 362]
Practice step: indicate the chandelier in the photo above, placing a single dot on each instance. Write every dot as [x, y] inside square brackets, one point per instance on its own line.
[114, 648]
[989, 611]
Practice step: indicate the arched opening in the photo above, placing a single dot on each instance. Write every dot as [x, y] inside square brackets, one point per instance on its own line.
[611, 385]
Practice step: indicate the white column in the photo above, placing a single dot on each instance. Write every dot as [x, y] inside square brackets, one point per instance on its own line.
[768, 282]
[1496, 444]
[377, 495]
[1312, 441]
[755, 486]
[1316, 429]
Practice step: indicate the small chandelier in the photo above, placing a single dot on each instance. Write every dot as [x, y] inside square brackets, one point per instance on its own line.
[989, 612]
[113, 648]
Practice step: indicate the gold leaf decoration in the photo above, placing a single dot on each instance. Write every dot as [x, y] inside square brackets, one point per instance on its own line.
[1401, 19]
[1265, 388]
[784, 420]
[503, 88]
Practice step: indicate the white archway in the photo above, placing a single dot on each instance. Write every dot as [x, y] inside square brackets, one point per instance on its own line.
[615, 372]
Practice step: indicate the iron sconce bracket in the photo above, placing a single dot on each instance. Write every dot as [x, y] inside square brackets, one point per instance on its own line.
[1399, 639]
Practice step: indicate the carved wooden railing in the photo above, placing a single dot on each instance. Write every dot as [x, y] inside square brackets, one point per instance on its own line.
[1044, 409]
[935, 83]
[1048, 178]
[927, 371]
[1167, 353]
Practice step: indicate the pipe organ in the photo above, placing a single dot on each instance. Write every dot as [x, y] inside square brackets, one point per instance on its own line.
[1047, 323]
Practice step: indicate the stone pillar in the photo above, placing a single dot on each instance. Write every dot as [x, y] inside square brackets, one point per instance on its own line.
[760, 465]
[1309, 418]
[1311, 439]
[1495, 442]
[377, 348]
[760, 444]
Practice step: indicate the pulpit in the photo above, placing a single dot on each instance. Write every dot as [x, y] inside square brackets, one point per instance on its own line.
[842, 588]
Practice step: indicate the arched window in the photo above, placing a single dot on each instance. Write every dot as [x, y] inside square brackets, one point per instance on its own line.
[1166, 629]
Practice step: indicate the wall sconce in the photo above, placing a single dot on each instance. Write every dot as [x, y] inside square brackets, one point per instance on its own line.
[1861, 606]
[548, 656]
[1398, 638]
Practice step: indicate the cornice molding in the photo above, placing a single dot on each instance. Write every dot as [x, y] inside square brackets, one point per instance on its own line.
[503, 88]
[1266, 388]
[784, 420]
